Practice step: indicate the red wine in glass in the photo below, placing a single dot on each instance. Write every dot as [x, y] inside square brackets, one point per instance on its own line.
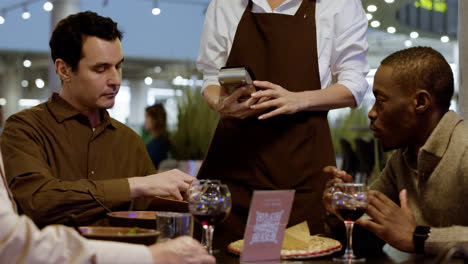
[350, 214]
[210, 219]
[349, 201]
[209, 204]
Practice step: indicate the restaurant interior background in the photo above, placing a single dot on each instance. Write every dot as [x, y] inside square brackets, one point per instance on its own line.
[160, 45]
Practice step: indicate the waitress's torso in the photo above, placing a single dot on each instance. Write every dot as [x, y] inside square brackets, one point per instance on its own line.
[284, 152]
[222, 19]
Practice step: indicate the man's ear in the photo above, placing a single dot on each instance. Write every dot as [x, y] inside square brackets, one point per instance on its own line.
[63, 70]
[423, 101]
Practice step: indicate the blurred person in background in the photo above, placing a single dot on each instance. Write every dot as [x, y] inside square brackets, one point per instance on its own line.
[155, 124]
[294, 48]
[22, 242]
[418, 202]
[60, 153]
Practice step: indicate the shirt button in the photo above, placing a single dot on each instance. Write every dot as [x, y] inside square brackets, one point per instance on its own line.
[94, 129]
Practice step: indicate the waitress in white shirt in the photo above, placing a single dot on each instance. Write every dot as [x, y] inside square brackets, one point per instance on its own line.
[280, 138]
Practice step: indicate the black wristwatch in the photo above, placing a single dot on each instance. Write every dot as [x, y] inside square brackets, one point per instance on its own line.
[421, 233]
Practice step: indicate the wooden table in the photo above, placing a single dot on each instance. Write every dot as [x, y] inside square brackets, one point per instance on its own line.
[390, 256]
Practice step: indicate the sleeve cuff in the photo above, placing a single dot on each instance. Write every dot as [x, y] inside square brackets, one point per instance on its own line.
[113, 252]
[116, 192]
[442, 239]
[209, 80]
[357, 89]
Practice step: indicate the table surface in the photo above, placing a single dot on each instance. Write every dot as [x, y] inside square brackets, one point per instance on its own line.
[390, 256]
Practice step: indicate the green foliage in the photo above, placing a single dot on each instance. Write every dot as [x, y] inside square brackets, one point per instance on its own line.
[350, 126]
[195, 128]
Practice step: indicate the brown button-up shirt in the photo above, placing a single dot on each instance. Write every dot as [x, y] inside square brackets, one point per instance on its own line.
[52, 157]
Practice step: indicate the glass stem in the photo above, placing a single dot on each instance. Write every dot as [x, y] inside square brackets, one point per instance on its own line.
[209, 230]
[203, 237]
[349, 240]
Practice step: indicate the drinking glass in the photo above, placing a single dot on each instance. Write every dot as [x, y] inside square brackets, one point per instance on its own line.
[198, 182]
[349, 200]
[210, 204]
[173, 224]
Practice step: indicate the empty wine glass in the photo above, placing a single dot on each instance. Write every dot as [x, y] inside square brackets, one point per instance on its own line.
[349, 200]
[210, 204]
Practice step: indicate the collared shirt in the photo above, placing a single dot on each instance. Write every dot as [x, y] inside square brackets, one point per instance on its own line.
[22, 242]
[437, 188]
[52, 157]
[341, 39]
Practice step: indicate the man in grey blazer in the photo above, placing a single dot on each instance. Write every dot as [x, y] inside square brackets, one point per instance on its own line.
[417, 203]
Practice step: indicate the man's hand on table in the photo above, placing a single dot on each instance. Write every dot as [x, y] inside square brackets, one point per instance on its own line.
[334, 176]
[180, 250]
[391, 223]
[168, 183]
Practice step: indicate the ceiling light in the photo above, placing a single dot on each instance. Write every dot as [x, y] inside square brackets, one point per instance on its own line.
[24, 83]
[26, 14]
[414, 34]
[48, 6]
[375, 24]
[40, 83]
[391, 30]
[444, 39]
[27, 63]
[148, 80]
[408, 43]
[156, 10]
[157, 69]
[371, 8]
[369, 16]
[2, 19]
[389, 1]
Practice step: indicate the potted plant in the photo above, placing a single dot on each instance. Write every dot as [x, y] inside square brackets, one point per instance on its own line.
[195, 128]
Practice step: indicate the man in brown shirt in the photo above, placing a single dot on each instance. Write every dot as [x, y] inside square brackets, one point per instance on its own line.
[58, 151]
[417, 203]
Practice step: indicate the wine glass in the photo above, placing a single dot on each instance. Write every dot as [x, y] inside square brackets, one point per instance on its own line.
[349, 200]
[198, 182]
[210, 204]
[191, 186]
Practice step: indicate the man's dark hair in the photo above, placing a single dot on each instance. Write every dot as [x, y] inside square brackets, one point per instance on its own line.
[423, 68]
[69, 34]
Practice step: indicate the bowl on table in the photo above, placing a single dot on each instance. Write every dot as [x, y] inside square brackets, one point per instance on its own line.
[133, 235]
[147, 219]
[143, 219]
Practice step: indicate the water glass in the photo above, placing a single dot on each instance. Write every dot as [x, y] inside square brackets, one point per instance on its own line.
[172, 225]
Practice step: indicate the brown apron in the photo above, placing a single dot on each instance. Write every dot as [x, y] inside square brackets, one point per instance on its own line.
[283, 152]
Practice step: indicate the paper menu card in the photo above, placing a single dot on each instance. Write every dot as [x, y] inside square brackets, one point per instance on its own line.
[268, 216]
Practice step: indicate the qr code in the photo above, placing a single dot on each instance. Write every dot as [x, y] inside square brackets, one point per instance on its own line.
[266, 227]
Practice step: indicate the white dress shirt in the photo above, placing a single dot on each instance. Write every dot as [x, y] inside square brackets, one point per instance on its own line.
[341, 39]
[22, 242]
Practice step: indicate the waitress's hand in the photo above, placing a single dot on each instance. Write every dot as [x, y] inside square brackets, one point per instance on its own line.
[229, 106]
[285, 102]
